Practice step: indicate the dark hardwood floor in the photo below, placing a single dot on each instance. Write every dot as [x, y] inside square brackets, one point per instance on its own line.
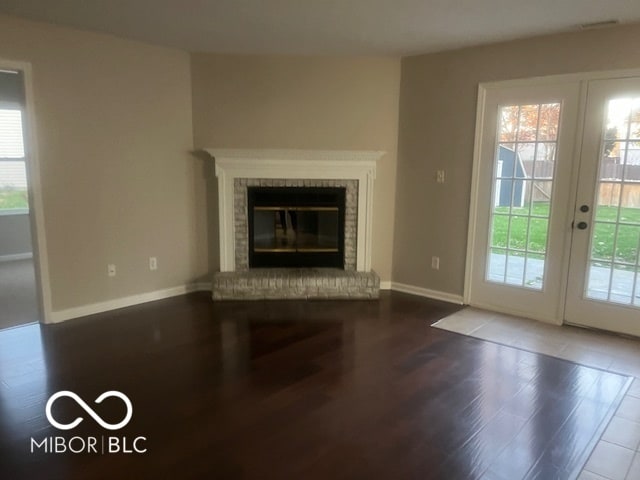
[295, 390]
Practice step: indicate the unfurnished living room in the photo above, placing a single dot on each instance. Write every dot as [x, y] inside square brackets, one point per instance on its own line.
[322, 240]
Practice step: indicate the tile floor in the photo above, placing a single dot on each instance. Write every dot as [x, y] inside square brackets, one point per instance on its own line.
[617, 454]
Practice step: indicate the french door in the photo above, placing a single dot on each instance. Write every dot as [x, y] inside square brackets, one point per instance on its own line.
[604, 284]
[555, 218]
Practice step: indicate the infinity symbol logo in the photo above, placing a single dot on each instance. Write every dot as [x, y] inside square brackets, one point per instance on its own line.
[89, 410]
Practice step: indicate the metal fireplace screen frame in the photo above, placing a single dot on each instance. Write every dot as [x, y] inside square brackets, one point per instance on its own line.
[296, 226]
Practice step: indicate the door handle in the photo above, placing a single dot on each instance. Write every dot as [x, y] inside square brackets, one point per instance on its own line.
[582, 225]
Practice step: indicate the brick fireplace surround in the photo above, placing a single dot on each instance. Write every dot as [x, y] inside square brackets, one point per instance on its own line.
[238, 169]
[241, 224]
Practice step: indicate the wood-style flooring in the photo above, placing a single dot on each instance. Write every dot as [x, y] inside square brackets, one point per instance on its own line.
[296, 390]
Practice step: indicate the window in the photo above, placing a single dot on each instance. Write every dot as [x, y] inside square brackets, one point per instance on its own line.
[13, 174]
[524, 167]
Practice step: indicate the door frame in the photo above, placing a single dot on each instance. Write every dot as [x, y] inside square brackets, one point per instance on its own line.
[483, 88]
[34, 184]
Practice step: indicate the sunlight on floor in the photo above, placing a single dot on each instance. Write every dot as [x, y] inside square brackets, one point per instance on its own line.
[617, 454]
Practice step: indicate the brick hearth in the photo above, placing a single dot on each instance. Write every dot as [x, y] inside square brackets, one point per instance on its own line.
[272, 283]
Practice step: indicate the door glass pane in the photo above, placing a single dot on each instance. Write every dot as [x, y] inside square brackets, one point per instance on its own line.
[549, 121]
[518, 233]
[602, 244]
[528, 123]
[515, 268]
[497, 263]
[615, 236]
[538, 231]
[522, 185]
[534, 270]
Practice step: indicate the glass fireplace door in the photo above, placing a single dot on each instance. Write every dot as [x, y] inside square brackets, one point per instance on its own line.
[295, 229]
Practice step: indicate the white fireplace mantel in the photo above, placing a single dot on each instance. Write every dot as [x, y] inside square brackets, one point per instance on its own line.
[294, 164]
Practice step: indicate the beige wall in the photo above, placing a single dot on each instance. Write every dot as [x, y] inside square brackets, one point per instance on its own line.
[114, 129]
[437, 125]
[307, 103]
[114, 120]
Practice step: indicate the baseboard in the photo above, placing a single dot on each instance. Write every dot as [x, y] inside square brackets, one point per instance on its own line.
[16, 256]
[84, 310]
[426, 292]
[91, 309]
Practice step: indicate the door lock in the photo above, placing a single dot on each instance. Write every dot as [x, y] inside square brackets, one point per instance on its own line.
[582, 226]
[584, 208]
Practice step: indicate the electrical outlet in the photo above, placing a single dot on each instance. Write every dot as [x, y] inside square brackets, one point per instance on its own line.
[153, 263]
[440, 176]
[435, 263]
[111, 270]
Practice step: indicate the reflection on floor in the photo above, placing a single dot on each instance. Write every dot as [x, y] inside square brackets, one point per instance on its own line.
[301, 390]
[18, 298]
[617, 455]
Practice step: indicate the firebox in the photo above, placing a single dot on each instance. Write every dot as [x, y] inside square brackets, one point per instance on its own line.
[296, 227]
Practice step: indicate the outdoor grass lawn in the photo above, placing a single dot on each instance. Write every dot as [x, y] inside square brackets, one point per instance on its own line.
[13, 199]
[628, 235]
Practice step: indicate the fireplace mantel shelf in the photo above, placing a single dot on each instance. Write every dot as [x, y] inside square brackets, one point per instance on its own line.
[294, 164]
[278, 155]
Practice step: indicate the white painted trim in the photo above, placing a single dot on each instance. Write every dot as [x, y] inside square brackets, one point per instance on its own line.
[426, 292]
[475, 186]
[564, 77]
[100, 307]
[295, 164]
[39, 241]
[573, 194]
[93, 308]
[16, 256]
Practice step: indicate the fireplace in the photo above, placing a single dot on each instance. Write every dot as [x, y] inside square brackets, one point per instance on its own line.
[296, 227]
[238, 170]
[302, 211]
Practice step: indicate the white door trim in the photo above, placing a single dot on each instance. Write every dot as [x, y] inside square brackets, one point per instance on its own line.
[36, 210]
[475, 187]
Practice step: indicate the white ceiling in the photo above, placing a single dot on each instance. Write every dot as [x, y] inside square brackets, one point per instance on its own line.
[345, 27]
